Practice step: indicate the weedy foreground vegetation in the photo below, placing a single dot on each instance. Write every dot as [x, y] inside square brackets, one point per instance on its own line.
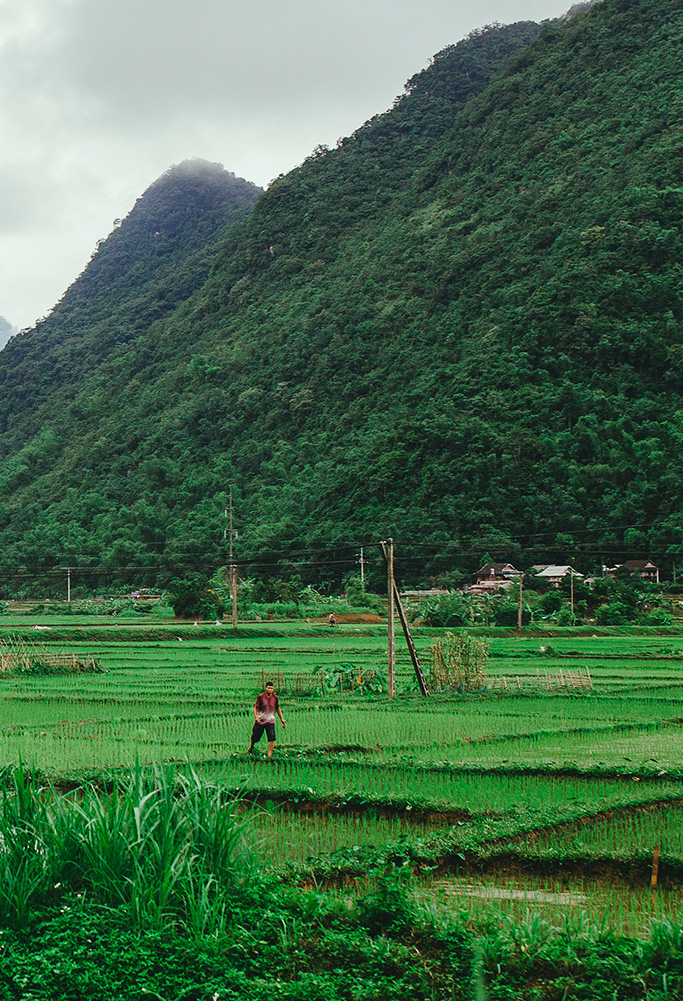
[520, 842]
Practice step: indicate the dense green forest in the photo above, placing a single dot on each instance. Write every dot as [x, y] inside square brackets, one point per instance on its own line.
[462, 327]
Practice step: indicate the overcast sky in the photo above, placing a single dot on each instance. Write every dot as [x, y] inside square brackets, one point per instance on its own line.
[99, 97]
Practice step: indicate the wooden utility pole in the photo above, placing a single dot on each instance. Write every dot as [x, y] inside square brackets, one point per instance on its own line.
[391, 645]
[362, 569]
[520, 607]
[395, 599]
[421, 680]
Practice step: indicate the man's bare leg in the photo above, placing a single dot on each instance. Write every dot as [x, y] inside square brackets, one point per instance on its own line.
[271, 745]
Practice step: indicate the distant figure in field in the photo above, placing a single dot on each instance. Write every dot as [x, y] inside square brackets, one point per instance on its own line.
[332, 620]
[265, 708]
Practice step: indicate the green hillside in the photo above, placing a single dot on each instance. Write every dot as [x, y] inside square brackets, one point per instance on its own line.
[461, 326]
[152, 261]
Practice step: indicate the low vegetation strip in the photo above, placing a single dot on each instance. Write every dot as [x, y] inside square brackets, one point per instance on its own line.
[157, 872]
[18, 656]
[514, 835]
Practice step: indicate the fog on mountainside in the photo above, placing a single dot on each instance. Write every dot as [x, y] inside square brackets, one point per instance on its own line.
[6, 331]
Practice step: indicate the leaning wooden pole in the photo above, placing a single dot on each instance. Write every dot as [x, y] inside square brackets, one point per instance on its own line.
[412, 650]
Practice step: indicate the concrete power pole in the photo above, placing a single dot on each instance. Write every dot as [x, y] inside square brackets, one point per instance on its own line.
[233, 573]
[68, 582]
[391, 645]
[571, 582]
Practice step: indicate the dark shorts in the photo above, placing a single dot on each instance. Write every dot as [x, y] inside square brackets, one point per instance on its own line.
[257, 732]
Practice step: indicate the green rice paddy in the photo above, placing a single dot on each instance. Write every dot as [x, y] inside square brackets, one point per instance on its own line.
[550, 771]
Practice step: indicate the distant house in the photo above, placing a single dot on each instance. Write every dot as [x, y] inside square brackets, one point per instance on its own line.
[495, 576]
[556, 573]
[645, 569]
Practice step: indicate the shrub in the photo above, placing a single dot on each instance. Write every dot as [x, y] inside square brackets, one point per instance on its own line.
[191, 597]
[507, 614]
[549, 603]
[390, 910]
[276, 590]
[656, 617]
[565, 616]
[272, 610]
[446, 610]
[615, 613]
[358, 597]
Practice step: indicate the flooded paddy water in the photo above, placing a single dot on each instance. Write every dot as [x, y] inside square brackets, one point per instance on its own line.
[608, 902]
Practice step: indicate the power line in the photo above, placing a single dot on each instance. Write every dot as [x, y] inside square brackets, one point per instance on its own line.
[412, 555]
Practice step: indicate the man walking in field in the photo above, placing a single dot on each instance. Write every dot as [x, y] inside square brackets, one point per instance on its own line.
[265, 708]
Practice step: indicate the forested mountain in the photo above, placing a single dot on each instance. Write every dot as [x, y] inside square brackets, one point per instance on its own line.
[462, 325]
[152, 261]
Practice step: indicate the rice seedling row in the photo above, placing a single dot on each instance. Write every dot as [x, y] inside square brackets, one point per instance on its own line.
[491, 794]
[183, 694]
[618, 836]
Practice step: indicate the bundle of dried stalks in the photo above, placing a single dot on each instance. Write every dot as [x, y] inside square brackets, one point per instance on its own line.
[459, 662]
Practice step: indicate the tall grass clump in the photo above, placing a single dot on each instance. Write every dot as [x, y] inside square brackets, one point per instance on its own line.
[459, 662]
[17, 656]
[162, 843]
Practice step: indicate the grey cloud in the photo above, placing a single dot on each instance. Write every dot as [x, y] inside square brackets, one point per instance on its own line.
[161, 58]
[98, 97]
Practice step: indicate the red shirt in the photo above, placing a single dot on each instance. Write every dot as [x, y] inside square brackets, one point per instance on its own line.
[266, 706]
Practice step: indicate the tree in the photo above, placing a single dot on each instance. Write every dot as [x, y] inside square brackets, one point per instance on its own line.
[191, 597]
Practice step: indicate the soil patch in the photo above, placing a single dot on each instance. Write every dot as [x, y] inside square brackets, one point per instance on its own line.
[331, 807]
[619, 871]
[349, 617]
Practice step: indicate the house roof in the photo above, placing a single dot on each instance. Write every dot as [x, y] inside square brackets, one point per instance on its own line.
[640, 565]
[498, 570]
[559, 570]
